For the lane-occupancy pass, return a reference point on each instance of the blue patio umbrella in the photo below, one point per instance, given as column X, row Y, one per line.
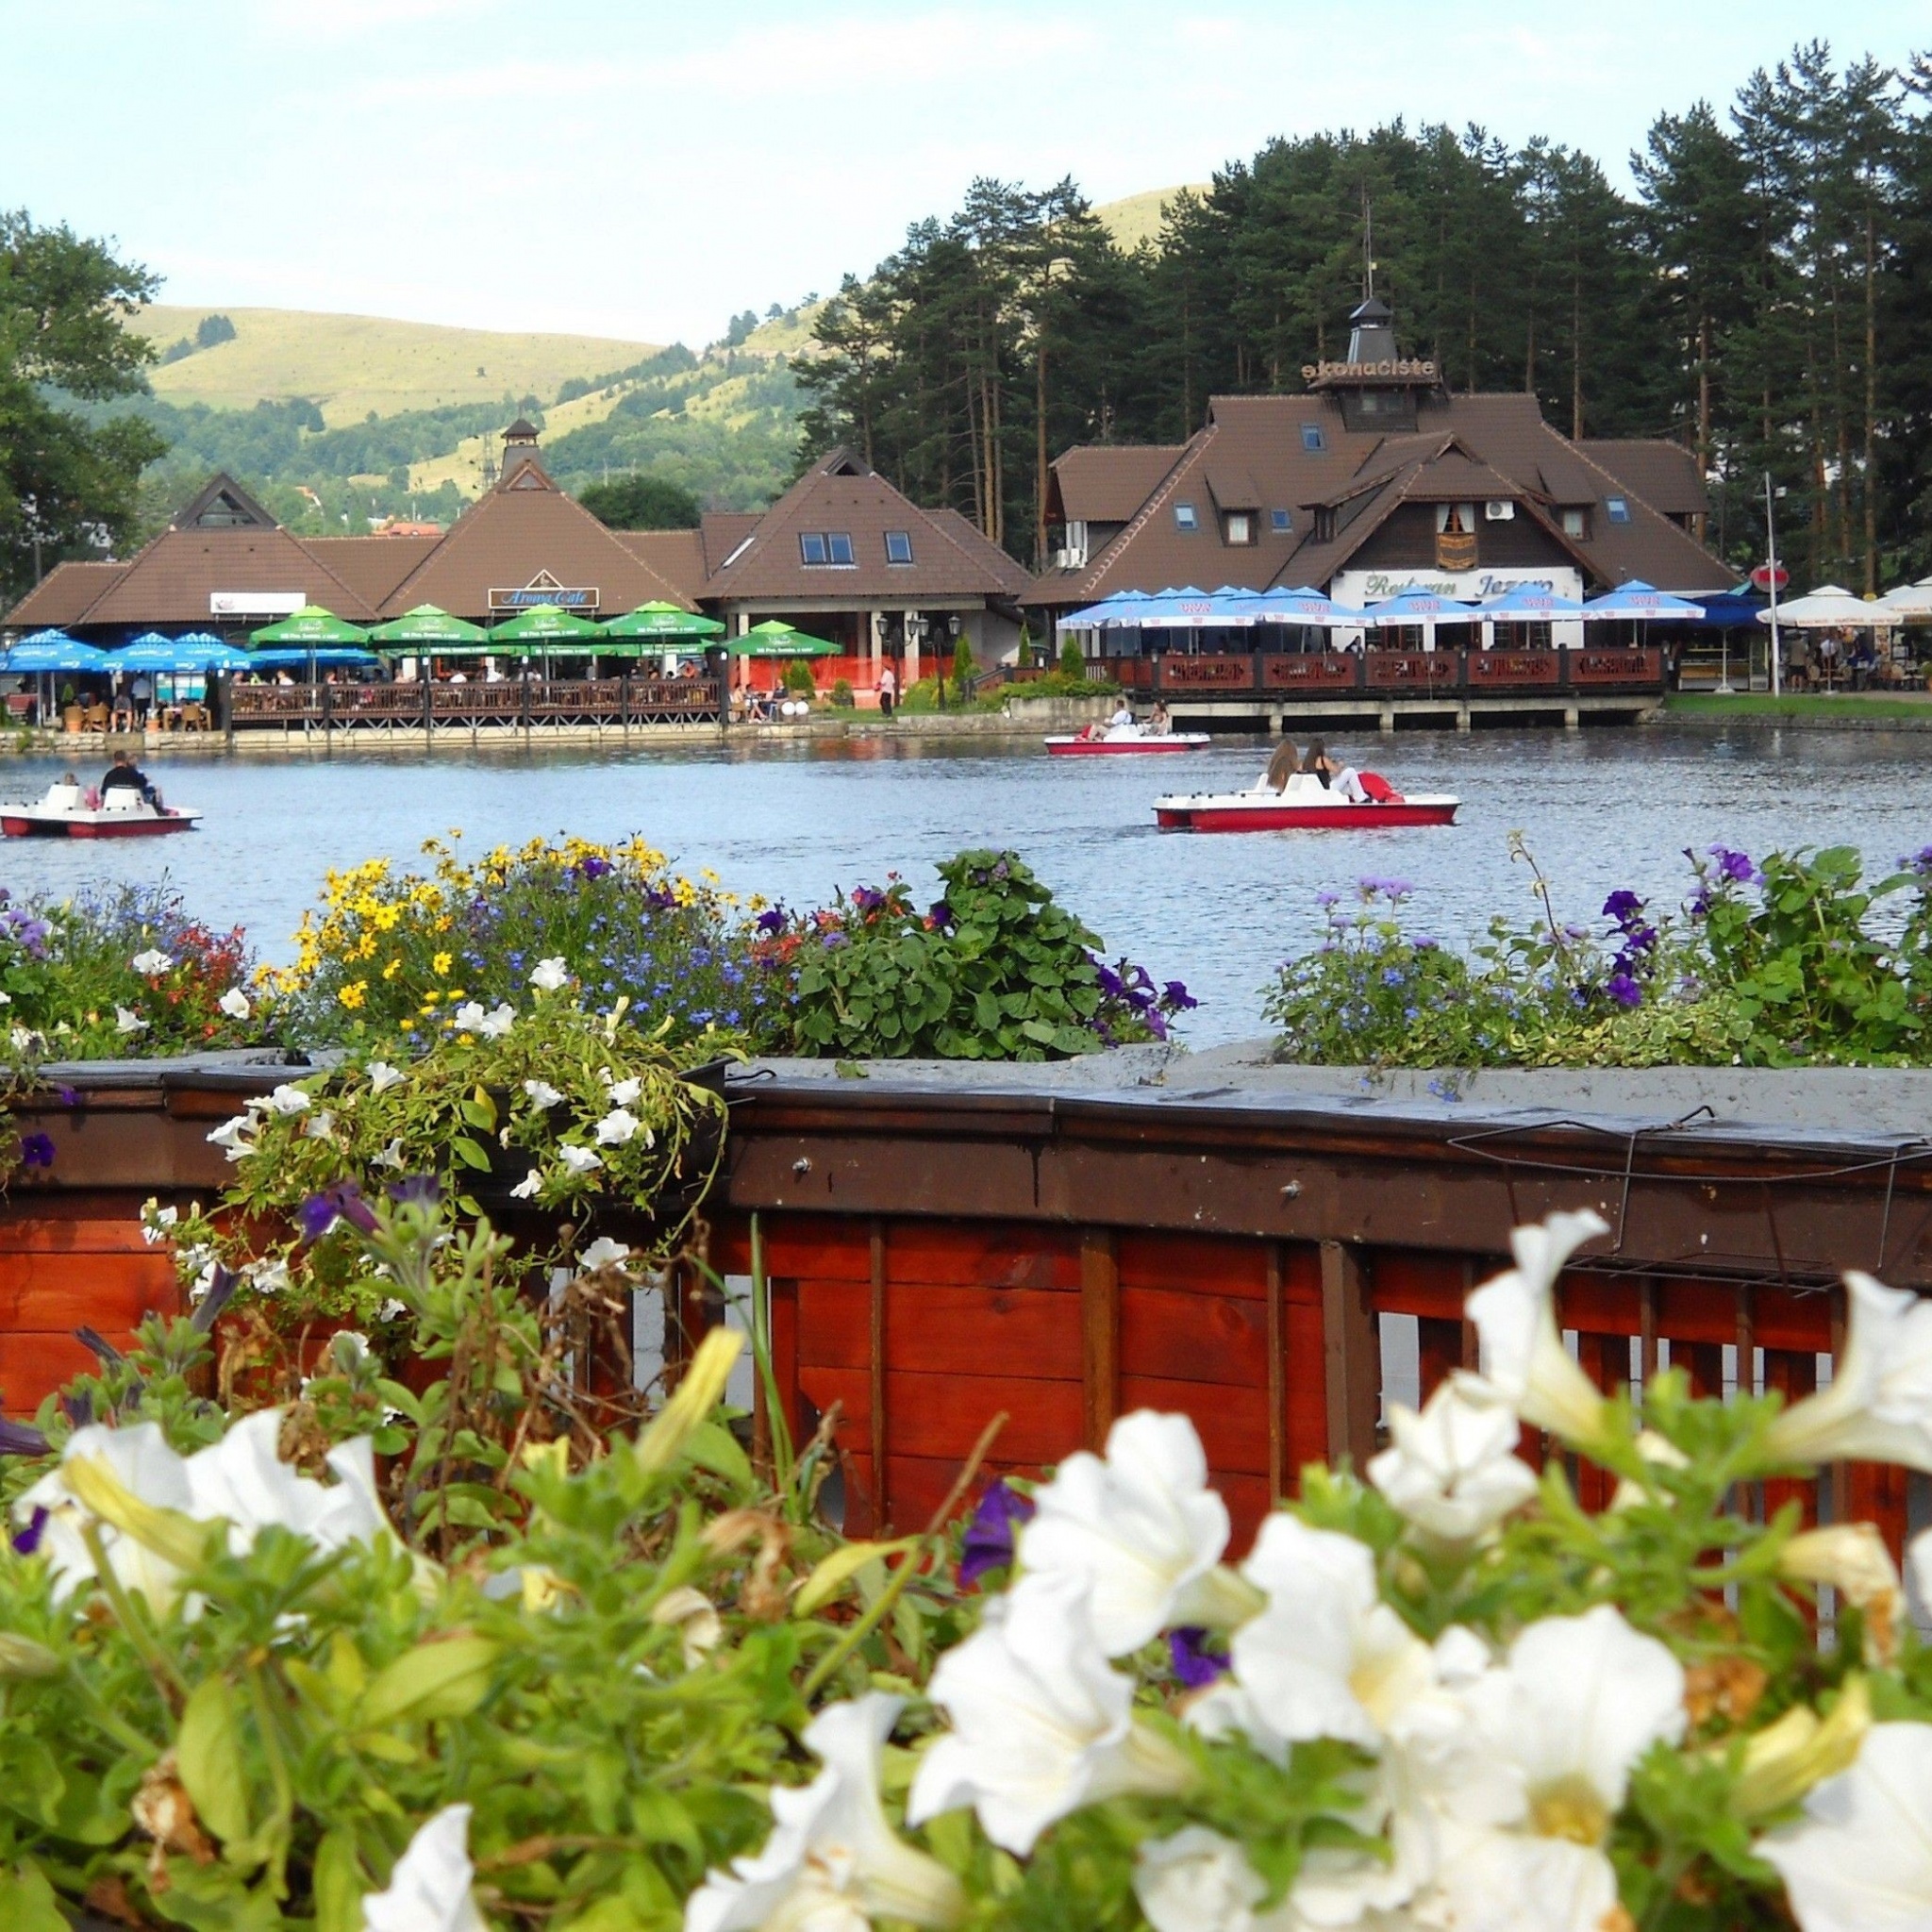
column 1531, row 604
column 285, row 660
column 1304, row 606
column 1641, row 602
column 1123, row 607
column 178, row 654
column 53, row 650
column 1419, row 607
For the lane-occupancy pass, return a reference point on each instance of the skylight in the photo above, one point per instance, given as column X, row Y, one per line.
column 1618, row 509
column 1312, row 439
column 1283, row 522
column 1184, row 518
column 820, row 548
column 839, row 546
column 898, row 546
column 812, row 546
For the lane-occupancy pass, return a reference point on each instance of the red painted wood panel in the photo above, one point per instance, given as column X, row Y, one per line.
column 1194, row 1337
column 1022, row 1332
column 1193, row 1263
column 1232, row 1422
column 1431, row 1286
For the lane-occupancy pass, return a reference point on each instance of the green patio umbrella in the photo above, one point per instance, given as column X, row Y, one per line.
column 432, row 630
column 311, row 624
column 667, row 621
column 544, row 623
column 775, row 639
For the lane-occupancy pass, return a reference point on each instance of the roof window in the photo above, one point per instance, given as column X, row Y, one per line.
column 1617, row 508
column 1282, row 523
column 898, row 546
column 1184, row 517
column 1312, row 439
column 826, row 547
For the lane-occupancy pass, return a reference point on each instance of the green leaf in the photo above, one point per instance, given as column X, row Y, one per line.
column 835, row 1572
column 712, row 1446
column 446, row 1679
column 338, row 1885
column 208, row 1751
column 469, row 1154
column 27, row 1903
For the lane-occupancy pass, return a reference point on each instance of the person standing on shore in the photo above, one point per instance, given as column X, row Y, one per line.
column 889, row 689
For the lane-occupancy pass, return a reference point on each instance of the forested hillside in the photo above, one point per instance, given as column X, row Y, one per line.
column 1766, row 298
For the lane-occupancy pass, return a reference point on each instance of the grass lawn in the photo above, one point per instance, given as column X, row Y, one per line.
column 1846, row 708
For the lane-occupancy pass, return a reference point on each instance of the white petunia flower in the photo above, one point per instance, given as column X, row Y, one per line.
column 1860, row 1860
column 526, row 1189
column 429, row 1888
column 151, row 962
column 267, row 1277
column 382, row 1076
column 1515, row 1314
column 469, row 1017
column 832, row 1861
column 390, row 1156
column 235, row 1004
column 578, row 1159
column 1880, row 1405
column 128, row 1021
column 155, row 1221
column 285, row 1100
column 1560, row 1725
column 392, row 1310
column 1452, row 1469
column 23, row 1039
column 623, row 1092
column 542, row 1092
column 1197, row 1881
column 1143, row 1526
column 497, row 1021
column 1327, row 1658
column 236, row 1137
column 1040, row 1723
column 6, row 999
column 1852, row 1557
column 603, row 1253
column 243, row 1480
column 617, row 1127
column 551, row 975
column 320, row 1126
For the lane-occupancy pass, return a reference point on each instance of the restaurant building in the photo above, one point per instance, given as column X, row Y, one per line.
column 842, row 554
column 1374, row 480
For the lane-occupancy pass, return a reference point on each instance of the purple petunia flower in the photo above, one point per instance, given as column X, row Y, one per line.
column 594, row 868
column 1623, row 906
column 1110, row 982
column 21, row 1439
column 423, row 1188
column 1195, row 1666
column 70, row 1097
column 36, row 1150
column 1175, row 997
column 1735, row 868
column 989, row 1536
column 28, row 1539
column 1623, row 990
column 772, row 919
column 343, row 1202
column 941, row 913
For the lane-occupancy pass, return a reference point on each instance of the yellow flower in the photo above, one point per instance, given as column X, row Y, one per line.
column 352, row 995
column 442, row 963
column 393, row 967
column 443, row 924
column 429, row 1000
column 407, row 1026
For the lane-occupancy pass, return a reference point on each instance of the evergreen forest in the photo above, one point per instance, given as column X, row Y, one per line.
column 1764, row 296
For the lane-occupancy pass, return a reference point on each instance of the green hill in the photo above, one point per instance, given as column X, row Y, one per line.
column 349, row 365
column 1136, row 218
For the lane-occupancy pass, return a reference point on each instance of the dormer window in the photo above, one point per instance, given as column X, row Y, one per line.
column 825, row 548
column 1240, row 526
column 1184, row 517
column 1576, row 522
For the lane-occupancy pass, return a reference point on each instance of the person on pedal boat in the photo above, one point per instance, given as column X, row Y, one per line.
column 1121, row 722
column 1332, row 774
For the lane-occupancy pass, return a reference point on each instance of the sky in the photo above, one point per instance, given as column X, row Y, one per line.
column 644, row 171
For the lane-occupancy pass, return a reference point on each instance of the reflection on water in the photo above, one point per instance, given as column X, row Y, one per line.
column 1602, row 809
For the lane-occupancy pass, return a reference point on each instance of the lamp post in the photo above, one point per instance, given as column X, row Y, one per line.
column 1771, row 573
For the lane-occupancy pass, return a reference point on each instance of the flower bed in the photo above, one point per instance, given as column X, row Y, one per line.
column 1795, row 962
column 542, row 1665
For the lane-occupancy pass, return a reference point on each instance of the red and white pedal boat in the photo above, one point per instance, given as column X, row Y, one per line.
column 1298, row 809
column 1128, row 738
column 121, row 813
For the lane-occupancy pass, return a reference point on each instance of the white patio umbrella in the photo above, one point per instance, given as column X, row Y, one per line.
column 1829, row 607
column 1908, row 600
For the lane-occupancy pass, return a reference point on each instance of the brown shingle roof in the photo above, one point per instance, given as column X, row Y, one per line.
column 62, row 595
column 838, row 494
column 1105, row 483
column 1466, row 445
column 1665, row 474
column 677, row 556
column 371, row 566
column 722, row 531
column 515, row 532
column 169, row 581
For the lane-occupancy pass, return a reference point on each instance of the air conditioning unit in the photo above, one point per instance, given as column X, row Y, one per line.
column 1499, row 510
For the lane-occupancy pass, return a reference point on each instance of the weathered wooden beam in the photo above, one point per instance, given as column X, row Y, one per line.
column 1351, row 1355
column 1100, row 1333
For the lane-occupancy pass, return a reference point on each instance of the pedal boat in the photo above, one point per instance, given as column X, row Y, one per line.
column 122, row 813
column 1128, row 739
column 1298, row 809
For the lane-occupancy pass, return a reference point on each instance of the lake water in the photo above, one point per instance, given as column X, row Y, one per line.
column 1601, row 808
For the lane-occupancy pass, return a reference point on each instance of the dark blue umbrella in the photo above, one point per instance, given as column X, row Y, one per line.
column 53, row 650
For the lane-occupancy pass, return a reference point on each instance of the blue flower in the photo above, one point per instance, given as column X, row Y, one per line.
column 1196, row 1659
column 36, row 1150
column 343, row 1202
column 1623, row 990
column 990, row 1535
column 1734, row 868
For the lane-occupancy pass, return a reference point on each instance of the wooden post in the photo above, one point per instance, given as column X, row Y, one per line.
column 1351, row 1356
column 1100, row 1332
column 875, row 1364
column 1277, row 1373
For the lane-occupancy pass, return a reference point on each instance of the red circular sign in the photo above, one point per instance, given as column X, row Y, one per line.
column 1764, row 578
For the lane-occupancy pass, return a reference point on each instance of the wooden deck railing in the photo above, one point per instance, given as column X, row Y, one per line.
column 516, row 701
column 1316, row 675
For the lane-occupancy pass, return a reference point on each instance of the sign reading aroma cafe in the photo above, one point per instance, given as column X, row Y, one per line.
column 544, row 589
